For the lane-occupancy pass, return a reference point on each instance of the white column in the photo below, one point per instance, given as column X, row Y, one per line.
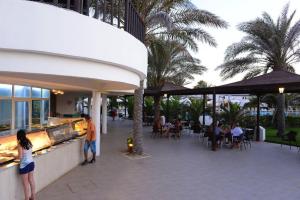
column 104, row 114
column 96, row 118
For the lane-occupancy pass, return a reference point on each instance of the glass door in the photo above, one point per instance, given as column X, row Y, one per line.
column 22, row 114
column 36, row 114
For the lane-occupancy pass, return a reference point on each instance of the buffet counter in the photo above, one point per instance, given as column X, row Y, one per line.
column 56, row 150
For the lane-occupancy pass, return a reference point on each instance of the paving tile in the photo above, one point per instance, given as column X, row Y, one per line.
column 182, row 169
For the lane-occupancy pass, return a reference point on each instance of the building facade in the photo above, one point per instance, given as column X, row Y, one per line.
column 55, row 54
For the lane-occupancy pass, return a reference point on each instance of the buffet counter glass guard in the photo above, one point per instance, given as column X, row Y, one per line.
column 63, row 130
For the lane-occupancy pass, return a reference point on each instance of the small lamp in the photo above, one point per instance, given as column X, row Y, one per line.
column 165, row 95
column 281, row 90
column 129, row 144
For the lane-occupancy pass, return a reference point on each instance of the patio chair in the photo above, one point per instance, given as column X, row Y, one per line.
column 247, row 137
column 290, row 137
column 203, row 134
column 186, row 128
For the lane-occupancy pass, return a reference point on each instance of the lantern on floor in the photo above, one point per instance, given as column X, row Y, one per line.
column 130, row 144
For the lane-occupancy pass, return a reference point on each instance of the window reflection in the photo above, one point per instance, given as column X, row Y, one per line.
column 45, row 111
column 36, row 114
column 5, row 90
column 22, row 115
column 22, row 91
column 36, row 92
column 45, row 93
column 37, row 98
column 5, row 115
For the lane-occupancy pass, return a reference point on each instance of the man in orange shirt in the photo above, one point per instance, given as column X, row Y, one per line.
column 90, row 140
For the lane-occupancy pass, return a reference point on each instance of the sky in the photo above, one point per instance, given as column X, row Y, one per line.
column 234, row 12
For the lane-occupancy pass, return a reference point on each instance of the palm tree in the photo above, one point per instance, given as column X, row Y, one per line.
column 268, row 45
column 169, row 60
column 180, row 19
column 232, row 113
column 138, row 120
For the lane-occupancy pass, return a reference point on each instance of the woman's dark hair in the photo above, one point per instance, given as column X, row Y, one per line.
column 23, row 140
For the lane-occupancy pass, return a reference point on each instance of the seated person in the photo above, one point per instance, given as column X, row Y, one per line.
column 156, row 127
column 219, row 132
column 178, row 128
column 166, row 129
column 236, row 132
column 227, row 134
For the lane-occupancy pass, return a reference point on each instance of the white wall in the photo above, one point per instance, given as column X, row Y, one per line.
column 43, row 39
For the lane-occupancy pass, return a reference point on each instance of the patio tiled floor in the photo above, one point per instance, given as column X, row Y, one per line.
column 182, row 169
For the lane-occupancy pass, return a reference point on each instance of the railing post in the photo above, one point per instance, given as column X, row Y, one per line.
column 257, row 117
column 111, row 12
column 68, row 4
column 126, row 15
column 118, row 12
column 87, row 7
column 96, row 15
column 104, row 11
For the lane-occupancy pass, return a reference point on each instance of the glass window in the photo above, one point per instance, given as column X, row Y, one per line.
column 5, row 90
column 5, row 115
column 45, row 93
column 22, row 91
column 36, row 114
column 45, row 111
column 36, row 92
column 22, row 115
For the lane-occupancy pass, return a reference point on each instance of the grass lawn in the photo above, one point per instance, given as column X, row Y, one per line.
column 271, row 136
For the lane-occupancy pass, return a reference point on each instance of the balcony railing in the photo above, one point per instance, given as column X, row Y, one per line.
column 119, row 13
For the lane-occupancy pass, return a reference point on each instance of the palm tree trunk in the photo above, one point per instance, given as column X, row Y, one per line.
column 157, row 107
column 280, row 114
column 138, row 120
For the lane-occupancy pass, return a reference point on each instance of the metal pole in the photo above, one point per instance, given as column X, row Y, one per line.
column 168, row 108
column 126, row 16
column 125, row 105
column 203, row 114
column 257, row 117
column 213, row 138
column 111, row 12
column 118, row 11
column 68, row 4
column 104, row 11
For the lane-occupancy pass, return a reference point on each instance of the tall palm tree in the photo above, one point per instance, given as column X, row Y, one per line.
column 268, row 45
column 232, row 113
column 180, row 19
column 169, row 60
column 138, row 120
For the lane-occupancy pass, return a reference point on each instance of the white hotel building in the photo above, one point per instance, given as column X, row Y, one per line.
column 53, row 45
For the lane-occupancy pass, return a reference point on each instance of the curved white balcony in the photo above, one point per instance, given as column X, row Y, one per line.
column 52, row 47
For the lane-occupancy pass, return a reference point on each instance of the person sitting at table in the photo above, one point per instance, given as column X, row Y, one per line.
column 219, row 133
column 166, row 130
column 236, row 132
column 156, row 127
column 178, row 128
column 227, row 134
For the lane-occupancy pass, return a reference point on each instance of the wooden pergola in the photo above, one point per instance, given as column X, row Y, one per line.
column 263, row 84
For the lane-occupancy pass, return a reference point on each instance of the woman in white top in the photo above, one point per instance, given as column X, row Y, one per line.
column 26, row 164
